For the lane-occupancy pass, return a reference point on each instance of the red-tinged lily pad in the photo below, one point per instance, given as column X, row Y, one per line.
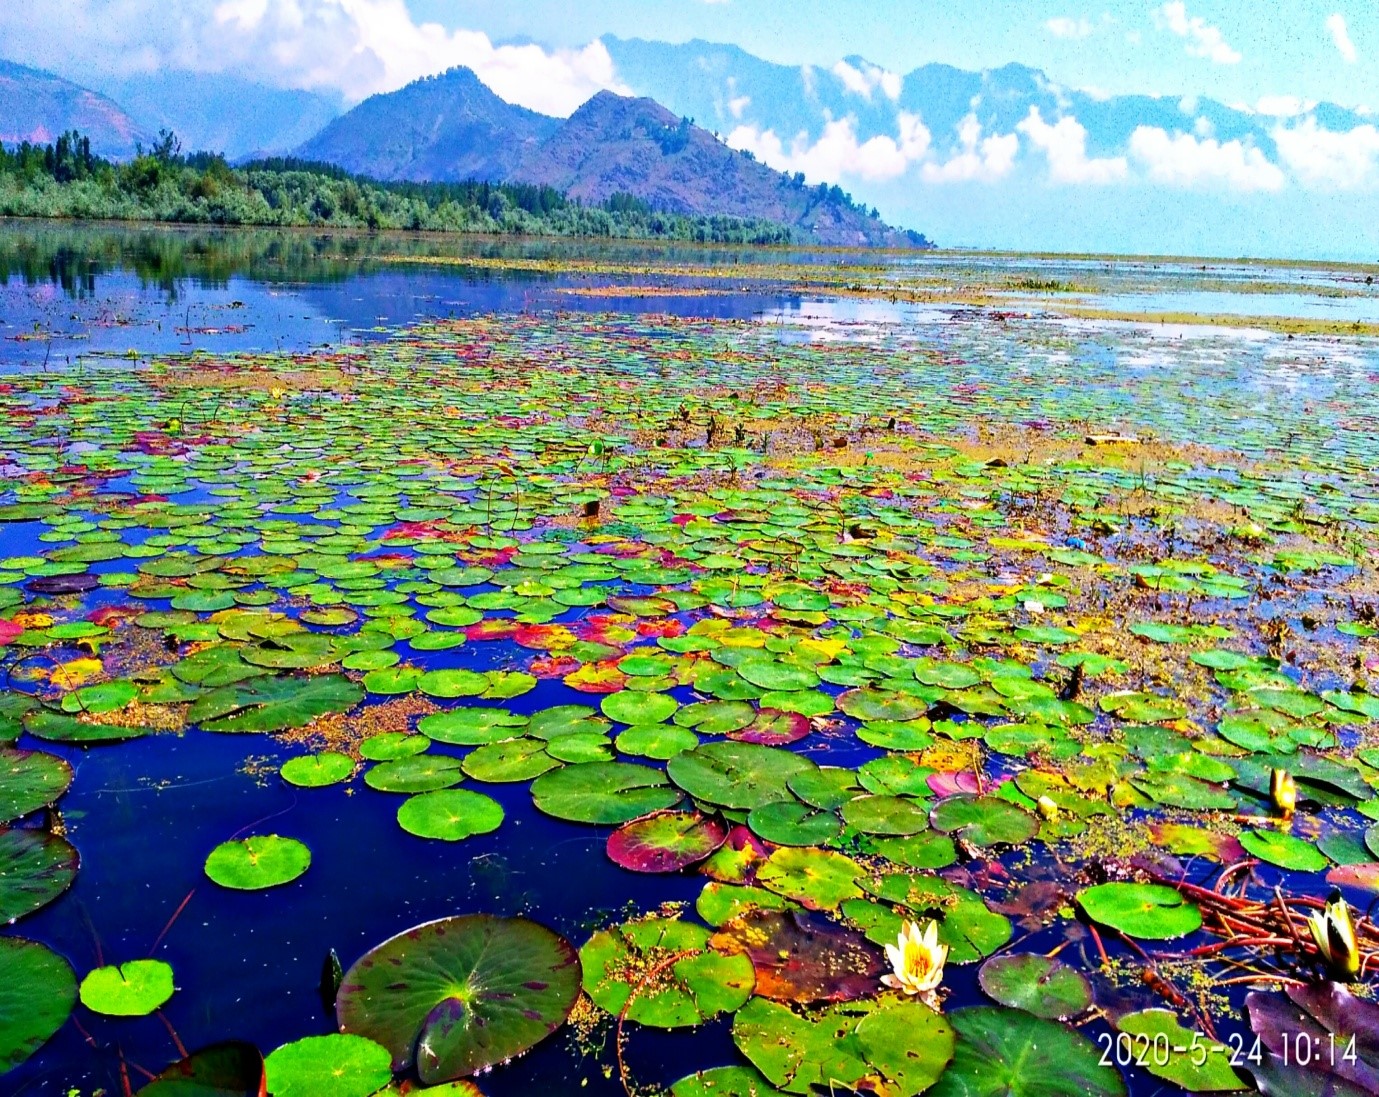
column 1363, row 876
column 665, row 842
column 773, row 728
column 232, row 1069
column 802, row 957
column 453, row 997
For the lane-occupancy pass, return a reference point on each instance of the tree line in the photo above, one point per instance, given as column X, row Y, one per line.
column 161, row 183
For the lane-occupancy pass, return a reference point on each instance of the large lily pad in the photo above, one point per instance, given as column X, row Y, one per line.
column 603, row 792
column 1036, row 984
column 31, row 780
column 1015, row 1054
column 736, row 775
column 274, row 704
column 37, row 992
column 456, row 996
column 35, row 868
column 450, row 814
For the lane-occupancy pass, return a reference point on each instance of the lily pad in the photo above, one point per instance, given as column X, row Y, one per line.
column 37, row 992
column 231, row 1069
column 263, row 861
column 1015, row 1054
column 35, row 868
column 29, row 780
column 665, row 842
column 736, row 775
column 132, row 989
column 1152, row 912
column 274, row 704
column 318, row 770
column 450, row 815
column 453, row 997
column 603, row 792
column 1036, row 984
column 338, row 1065
column 695, row 982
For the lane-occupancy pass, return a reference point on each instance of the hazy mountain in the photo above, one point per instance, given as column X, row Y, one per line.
column 217, row 112
column 443, row 128
column 38, row 106
column 617, row 145
column 453, row 127
column 725, row 89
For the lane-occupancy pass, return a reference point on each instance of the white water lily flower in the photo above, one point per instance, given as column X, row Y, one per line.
column 1034, row 608
column 917, row 959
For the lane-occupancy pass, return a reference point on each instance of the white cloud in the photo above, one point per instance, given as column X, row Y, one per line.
column 867, row 79
column 978, row 158
column 738, row 105
column 837, row 152
column 1283, row 106
column 1064, row 26
column 1321, row 157
column 1181, row 159
column 359, row 47
column 1340, row 35
column 1064, row 144
column 1203, row 39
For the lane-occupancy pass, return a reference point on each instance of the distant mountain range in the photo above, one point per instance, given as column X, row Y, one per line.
column 452, row 127
column 729, row 90
column 38, row 106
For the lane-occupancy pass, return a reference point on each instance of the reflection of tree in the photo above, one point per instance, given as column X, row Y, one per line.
column 74, row 256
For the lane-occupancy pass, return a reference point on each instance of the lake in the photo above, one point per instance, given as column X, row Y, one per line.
column 889, row 587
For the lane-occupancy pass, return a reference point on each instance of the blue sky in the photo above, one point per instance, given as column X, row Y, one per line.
column 1241, row 154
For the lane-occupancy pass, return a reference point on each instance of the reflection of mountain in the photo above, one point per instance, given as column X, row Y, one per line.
column 453, row 127
column 37, row 106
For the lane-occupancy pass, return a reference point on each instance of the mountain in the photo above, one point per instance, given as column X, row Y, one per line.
column 619, row 145
column 217, row 112
column 442, row 128
column 453, row 127
column 38, row 106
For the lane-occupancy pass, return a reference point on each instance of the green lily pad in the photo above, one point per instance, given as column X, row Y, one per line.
column 789, row 823
column 698, row 983
column 450, row 814
column 37, row 992
column 453, row 997
column 1284, row 850
column 631, row 706
column 132, row 989
column 35, row 868
column 417, row 773
column 317, row 770
column 603, row 792
column 30, row 780
column 818, row 879
column 232, row 1069
column 984, row 820
column 736, row 775
column 274, row 704
column 262, row 861
column 338, row 1065
column 1187, row 1059
column 1036, row 984
column 1151, row 912
column 1015, row 1054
